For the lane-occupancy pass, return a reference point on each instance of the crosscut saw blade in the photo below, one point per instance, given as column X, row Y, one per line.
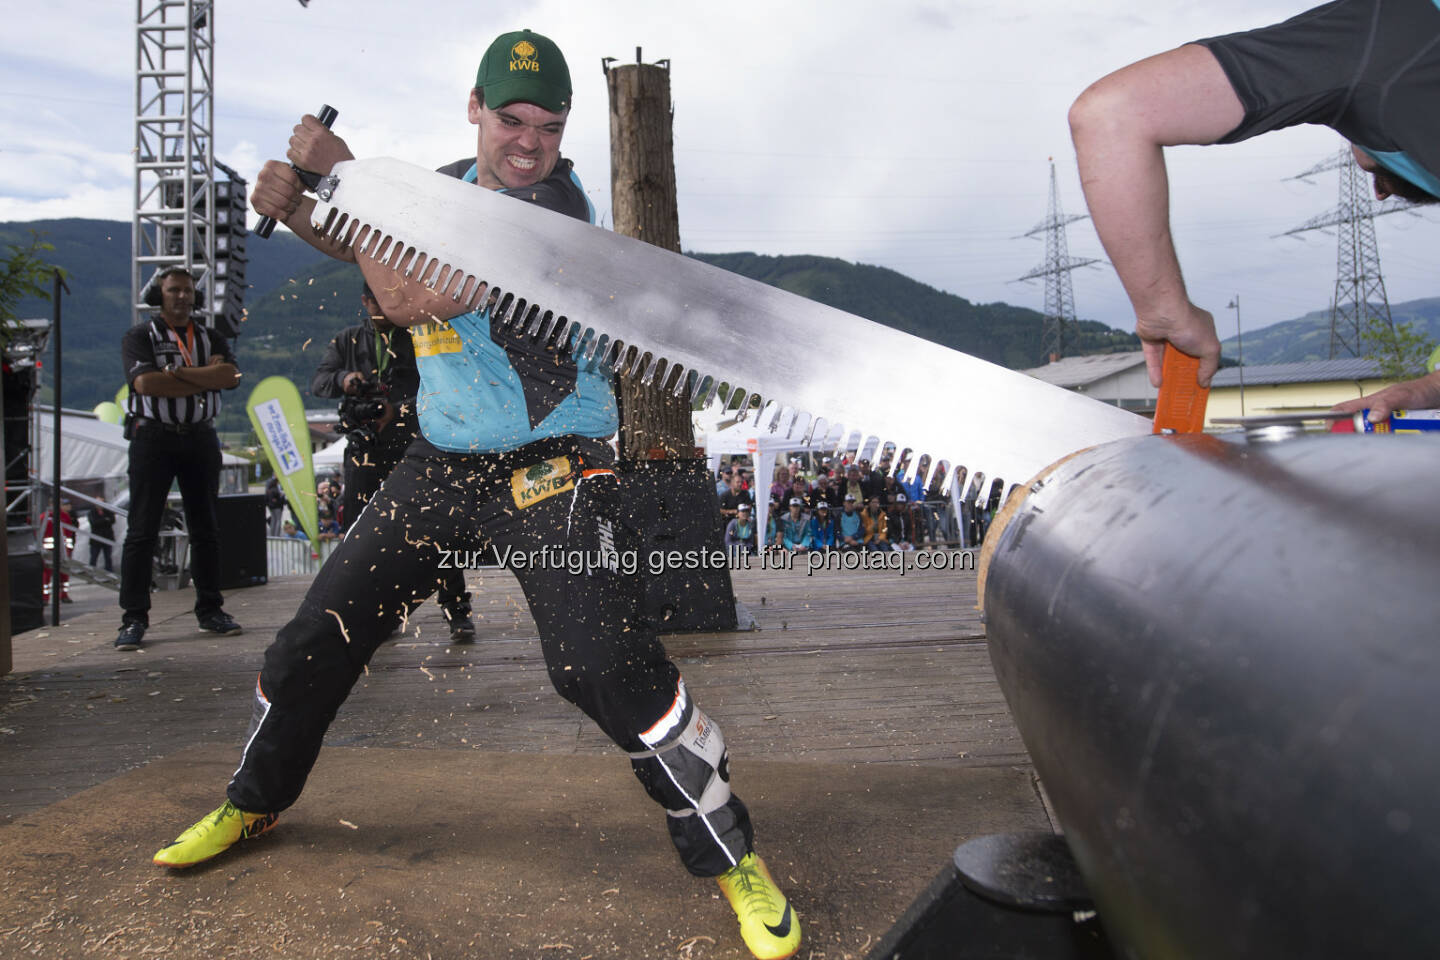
column 817, row 371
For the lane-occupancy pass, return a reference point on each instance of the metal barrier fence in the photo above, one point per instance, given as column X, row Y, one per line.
column 288, row 557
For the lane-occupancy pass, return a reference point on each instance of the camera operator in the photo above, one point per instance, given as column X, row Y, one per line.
column 371, row 368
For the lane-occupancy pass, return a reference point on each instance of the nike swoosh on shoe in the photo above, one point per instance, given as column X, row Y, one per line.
column 782, row 929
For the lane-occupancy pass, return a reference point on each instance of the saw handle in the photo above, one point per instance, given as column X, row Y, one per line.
column 1180, row 408
column 325, row 115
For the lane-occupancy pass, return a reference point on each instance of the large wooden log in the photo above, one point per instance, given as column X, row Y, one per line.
column 1224, row 659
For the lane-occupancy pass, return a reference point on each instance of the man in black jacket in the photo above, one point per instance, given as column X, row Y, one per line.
column 371, row 367
column 513, row 459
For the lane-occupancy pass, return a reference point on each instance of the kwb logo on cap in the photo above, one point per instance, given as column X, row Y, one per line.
column 522, row 57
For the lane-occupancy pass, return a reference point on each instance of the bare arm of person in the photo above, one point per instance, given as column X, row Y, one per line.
column 1120, row 126
column 218, row 374
column 279, row 193
column 1422, row 393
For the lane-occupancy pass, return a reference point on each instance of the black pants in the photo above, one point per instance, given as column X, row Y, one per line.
column 366, row 467
column 434, row 509
column 98, row 548
column 159, row 457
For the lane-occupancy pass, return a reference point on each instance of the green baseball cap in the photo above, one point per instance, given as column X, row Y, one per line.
column 524, row 66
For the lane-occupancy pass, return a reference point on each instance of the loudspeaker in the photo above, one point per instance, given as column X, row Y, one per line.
column 19, row 387
column 242, row 523
column 679, row 517
column 27, row 604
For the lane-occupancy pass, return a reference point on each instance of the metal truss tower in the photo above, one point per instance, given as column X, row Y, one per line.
column 1059, row 294
column 174, row 218
column 1359, row 287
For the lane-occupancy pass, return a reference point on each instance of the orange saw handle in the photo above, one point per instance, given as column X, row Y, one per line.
column 1180, row 408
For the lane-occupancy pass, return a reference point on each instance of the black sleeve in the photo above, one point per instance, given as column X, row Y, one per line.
column 220, row 347
column 1308, row 69
column 137, row 353
column 330, row 375
column 557, row 192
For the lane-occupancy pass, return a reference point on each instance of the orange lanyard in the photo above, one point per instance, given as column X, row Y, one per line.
column 187, row 346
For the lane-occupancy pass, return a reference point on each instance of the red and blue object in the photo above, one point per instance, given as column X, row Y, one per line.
column 1401, row 421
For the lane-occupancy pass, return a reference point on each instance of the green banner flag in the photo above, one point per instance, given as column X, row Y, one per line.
column 279, row 420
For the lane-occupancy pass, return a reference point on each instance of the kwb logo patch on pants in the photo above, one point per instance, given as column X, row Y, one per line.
column 541, row 480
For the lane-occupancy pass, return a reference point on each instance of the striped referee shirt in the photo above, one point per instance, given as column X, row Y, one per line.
column 150, row 348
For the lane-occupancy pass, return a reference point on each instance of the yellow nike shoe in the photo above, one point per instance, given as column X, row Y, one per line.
column 767, row 923
column 213, row 835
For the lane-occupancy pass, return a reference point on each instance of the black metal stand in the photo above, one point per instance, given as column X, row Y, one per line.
column 1005, row 897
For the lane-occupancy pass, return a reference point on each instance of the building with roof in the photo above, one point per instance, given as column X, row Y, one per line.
column 1311, row 386
column 1115, row 378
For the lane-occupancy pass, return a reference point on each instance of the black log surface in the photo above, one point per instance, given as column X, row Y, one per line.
column 1224, row 659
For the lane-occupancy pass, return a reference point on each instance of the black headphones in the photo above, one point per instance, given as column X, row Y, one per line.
column 152, row 290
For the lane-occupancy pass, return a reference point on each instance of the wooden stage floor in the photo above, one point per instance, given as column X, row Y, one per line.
column 462, row 809
column 865, row 666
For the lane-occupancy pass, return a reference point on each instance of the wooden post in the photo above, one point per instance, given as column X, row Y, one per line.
column 657, row 441
column 653, row 423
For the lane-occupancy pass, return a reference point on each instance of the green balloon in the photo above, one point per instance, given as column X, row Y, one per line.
column 108, row 412
column 1434, row 360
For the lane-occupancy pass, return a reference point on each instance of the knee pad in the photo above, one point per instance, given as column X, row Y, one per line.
column 691, row 751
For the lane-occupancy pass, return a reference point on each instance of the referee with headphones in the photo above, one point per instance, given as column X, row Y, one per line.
column 176, row 369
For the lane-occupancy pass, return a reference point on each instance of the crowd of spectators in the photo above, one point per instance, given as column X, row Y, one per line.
column 844, row 506
column 328, row 508
column 837, row 506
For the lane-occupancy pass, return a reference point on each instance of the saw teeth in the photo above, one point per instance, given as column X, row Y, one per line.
column 527, row 320
column 345, row 230
column 560, row 336
column 739, row 399
column 706, row 387
column 617, row 355
column 589, row 343
column 515, row 321
column 810, row 433
column 504, row 301
column 635, row 362
column 673, row 381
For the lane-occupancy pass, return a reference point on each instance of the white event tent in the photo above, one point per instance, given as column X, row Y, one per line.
column 718, row 432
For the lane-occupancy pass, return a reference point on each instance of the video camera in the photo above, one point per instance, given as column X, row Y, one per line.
column 361, row 413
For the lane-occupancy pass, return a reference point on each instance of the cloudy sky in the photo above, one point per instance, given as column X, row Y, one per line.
column 916, row 138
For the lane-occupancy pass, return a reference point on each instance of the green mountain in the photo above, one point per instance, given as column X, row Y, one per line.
column 998, row 332
column 96, row 256
column 299, row 299
column 1308, row 337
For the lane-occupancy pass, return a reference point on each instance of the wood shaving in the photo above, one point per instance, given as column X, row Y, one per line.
column 343, row 632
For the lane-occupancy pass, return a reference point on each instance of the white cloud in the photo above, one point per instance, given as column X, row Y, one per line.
column 83, row 200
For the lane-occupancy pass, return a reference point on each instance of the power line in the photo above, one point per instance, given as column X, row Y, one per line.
column 1059, row 294
column 1359, row 286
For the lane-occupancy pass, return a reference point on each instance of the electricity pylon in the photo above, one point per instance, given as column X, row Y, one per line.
column 1059, row 295
column 1359, row 286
